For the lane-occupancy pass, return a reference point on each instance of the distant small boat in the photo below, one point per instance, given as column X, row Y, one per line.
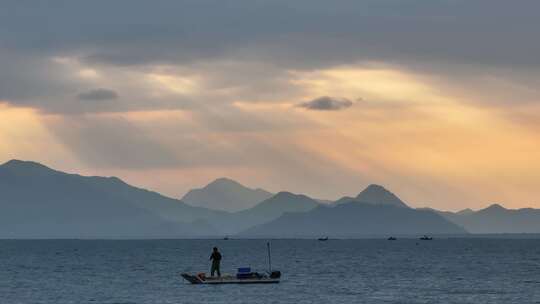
column 323, row 239
column 226, row 238
column 392, row 238
column 426, row 238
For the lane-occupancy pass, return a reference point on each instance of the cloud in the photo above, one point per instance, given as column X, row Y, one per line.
column 326, row 103
column 290, row 34
column 32, row 80
column 272, row 37
column 98, row 94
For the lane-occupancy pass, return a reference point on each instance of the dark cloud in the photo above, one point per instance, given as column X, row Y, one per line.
column 285, row 35
column 326, row 103
column 26, row 78
column 98, row 94
column 301, row 33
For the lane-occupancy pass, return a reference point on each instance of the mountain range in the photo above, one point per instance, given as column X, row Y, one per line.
column 356, row 219
column 39, row 202
column 375, row 211
column 496, row 219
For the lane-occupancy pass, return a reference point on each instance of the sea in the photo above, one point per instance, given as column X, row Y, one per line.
column 444, row 270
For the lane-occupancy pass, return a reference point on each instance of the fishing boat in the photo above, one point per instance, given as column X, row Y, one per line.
column 323, row 239
column 243, row 276
column 392, row 238
column 426, row 238
column 248, row 278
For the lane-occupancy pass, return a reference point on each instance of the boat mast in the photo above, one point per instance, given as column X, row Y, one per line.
column 269, row 258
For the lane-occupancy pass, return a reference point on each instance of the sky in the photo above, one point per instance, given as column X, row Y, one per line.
column 439, row 101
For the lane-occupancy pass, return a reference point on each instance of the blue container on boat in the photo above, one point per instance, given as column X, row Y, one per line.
column 243, row 270
column 248, row 275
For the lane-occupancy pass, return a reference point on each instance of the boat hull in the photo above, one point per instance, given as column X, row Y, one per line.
column 193, row 279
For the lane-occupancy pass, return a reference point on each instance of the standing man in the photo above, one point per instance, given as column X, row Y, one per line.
column 216, row 260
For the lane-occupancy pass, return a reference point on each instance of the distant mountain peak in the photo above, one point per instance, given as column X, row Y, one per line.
column 375, row 187
column 17, row 163
column 224, row 181
column 287, row 194
column 288, row 198
column 27, row 167
column 285, row 201
column 344, row 200
column 495, row 207
column 377, row 194
column 465, row 211
column 225, row 194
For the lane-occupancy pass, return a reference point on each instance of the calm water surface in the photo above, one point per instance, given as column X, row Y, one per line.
column 336, row 271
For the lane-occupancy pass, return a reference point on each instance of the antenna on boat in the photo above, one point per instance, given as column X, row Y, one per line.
column 269, row 258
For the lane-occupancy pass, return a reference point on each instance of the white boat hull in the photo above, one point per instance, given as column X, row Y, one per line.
column 194, row 279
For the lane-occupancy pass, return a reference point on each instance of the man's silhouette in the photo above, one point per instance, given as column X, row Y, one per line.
column 216, row 260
